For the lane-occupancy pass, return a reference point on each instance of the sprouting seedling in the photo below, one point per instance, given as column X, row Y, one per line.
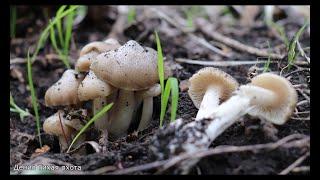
column 15, row 108
column 171, row 84
column 13, row 18
column 267, row 64
column 292, row 46
column 131, row 15
column 45, row 33
column 92, row 120
column 34, row 99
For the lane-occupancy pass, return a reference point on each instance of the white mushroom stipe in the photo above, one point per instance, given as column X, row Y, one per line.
column 147, row 111
column 210, row 101
column 121, row 114
column 98, row 104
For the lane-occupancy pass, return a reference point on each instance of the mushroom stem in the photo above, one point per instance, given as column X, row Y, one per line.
column 63, row 143
column 121, row 114
column 147, row 111
column 98, row 104
column 209, row 102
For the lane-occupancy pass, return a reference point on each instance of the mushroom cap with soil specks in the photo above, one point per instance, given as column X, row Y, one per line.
column 130, row 67
column 52, row 125
column 92, row 87
column 276, row 108
column 65, row 90
column 89, row 52
column 209, row 76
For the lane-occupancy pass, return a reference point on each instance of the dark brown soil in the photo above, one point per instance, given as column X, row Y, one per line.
column 133, row 150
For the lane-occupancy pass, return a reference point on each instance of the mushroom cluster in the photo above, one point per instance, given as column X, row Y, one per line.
column 107, row 72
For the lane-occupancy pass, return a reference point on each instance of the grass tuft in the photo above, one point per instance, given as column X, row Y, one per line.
column 33, row 97
column 292, row 46
column 171, row 84
column 92, row 120
column 45, row 33
column 15, row 108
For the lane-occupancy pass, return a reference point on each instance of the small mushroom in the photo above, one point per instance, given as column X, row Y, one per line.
column 208, row 87
column 58, row 125
column 65, row 90
column 92, row 88
column 89, row 52
column 269, row 97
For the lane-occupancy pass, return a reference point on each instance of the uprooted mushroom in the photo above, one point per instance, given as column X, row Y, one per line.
column 269, row 97
column 133, row 70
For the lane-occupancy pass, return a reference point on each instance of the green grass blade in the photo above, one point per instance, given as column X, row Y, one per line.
column 59, row 25
column 292, row 46
column 45, row 33
column 54, row 44
column 164, row 102
column 160, row 62
column 33, row 97
column 68, row 32
column 131, row 15
column 13, row 18
column 92, row 120
column 174, row 97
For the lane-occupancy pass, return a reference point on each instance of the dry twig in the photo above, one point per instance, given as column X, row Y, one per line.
column 219, row 63
column 205, row 27
column 294, row 164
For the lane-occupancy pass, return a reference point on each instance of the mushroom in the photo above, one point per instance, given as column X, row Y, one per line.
column 130, row 68
column 92, row 50
column 147, row 97
column 269, row 97
column 92, row 88
column 208, row 87
column 58, row 125
column 65, row 90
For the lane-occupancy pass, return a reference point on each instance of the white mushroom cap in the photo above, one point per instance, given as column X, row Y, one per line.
column 130, row 67
column 65, row 90
column 211, row 77
column 274, row 97
column 92, row 87
column 89, row 52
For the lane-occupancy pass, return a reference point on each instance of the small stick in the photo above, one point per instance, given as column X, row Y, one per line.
column 294, row 164
column 201, row 41
column 219, row 63
column 209, row 31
